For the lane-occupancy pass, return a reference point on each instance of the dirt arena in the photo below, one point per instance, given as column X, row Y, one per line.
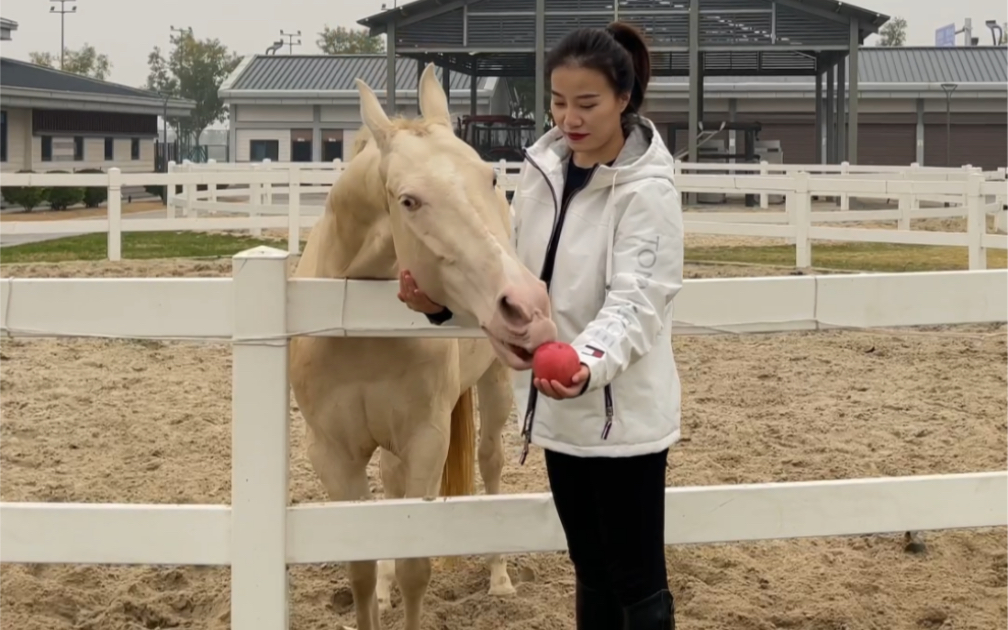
column 128, row 421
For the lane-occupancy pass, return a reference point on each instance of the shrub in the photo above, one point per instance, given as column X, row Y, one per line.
column 62, row 197
column 94, row 196
column 28, row 197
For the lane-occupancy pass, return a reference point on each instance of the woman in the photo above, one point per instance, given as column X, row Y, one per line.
column 613, row 272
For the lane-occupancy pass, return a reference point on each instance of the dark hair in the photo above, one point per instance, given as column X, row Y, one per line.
column 618, row 51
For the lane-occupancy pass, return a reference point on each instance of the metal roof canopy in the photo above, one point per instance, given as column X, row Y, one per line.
column 508, row 38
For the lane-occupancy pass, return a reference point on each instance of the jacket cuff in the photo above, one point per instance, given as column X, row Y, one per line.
column 596, row 369
column 440, row 317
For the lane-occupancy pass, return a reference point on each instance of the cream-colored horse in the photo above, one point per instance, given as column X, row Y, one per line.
column 416, row 197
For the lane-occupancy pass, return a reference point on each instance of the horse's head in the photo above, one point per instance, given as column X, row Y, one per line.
column 451, row 224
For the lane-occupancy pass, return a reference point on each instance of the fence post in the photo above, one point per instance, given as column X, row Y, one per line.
column 801, row 208
column 267, row 187
column 259, row 440
column 255, row 198
column 764, row 198
column 844, row 197
column 190, row 190
column 905, row 206
column 212, row 186
column 170, row 191
column 976, row 222
column 114, row 208
column 294, row 210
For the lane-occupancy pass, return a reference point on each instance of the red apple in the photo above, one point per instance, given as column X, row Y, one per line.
column 556, row 361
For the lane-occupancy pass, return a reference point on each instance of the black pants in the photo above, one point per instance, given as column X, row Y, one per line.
column 613, row 513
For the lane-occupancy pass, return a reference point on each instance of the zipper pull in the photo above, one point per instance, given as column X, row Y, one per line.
column 608, row 413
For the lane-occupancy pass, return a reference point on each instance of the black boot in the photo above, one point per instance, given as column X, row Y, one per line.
column 654, row 613
column 596, row 610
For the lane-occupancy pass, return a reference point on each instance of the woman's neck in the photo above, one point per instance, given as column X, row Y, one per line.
column 602, row 155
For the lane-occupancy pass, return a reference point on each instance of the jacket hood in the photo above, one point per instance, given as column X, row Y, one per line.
column 644, row 155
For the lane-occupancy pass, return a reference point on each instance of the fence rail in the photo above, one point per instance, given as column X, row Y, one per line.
column 259, row 308
column 251, row 189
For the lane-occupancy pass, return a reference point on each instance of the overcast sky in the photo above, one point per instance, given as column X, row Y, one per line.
column 127, row 30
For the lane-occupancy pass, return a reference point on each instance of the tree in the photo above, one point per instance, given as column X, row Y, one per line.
column 84, row 61
column 345, row 41
column 893, row 33
column 194, row 70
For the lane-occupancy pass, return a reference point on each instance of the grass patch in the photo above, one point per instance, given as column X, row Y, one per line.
column 879, row 257
column 136, row 246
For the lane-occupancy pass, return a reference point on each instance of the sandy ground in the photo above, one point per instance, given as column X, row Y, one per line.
column 90, row 420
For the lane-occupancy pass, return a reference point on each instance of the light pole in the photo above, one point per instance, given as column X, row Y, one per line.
column 290, row 40
column 62, row 13
column 948, row 88
column 996, row 31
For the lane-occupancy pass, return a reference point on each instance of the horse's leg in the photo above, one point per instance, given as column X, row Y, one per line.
column 395, row 488
column 345, row 479
column 495, row 402
column 422, row 466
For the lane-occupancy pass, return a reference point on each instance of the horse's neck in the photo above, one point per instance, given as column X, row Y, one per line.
column 355, row 240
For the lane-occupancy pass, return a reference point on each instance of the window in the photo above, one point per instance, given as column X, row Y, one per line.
column 134, row 148
column 109, row 148
column 3, row 136
column 47, row 148
column 332, row 144
column 78, row 149
column 260, row 150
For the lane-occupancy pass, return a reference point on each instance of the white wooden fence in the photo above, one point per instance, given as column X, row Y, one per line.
column 975, row 193
column 259, row 308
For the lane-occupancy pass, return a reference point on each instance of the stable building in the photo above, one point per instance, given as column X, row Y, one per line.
column 910, row 99
column 306, row 108
column 59, row 121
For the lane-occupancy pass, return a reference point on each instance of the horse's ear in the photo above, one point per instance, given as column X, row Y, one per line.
column 373, row 115
column 433, row 101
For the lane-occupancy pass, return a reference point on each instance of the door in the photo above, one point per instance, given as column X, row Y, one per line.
column 301, row 145
column 332, row 144
column 887, row 144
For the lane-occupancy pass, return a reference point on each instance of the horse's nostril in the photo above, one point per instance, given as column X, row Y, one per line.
column 508, row 310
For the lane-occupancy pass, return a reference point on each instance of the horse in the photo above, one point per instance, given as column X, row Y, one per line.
column 415, row 196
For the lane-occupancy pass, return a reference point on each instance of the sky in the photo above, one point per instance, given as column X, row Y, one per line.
column 137, row 26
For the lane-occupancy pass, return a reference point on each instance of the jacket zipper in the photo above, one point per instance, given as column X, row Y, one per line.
column 546, row 275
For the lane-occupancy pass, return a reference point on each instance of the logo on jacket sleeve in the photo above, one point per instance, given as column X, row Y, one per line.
column 592, row 351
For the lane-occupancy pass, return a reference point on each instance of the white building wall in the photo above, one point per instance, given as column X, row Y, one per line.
column 245, row 136
column 24, row 151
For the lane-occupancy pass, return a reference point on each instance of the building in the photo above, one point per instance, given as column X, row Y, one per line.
column 904, row 110
column 306, row 108
column 59, row 121
column 6, row 28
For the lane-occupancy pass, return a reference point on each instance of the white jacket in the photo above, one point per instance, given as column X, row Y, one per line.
column 618, row 265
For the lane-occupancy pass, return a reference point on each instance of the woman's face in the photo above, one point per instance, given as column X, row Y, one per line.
column 585, row 107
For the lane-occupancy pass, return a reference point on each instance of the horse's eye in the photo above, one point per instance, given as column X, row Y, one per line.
column 495, row 180
column 409, row 203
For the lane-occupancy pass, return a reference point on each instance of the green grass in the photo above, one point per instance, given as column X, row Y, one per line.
column 135, row 246
column 880, row 257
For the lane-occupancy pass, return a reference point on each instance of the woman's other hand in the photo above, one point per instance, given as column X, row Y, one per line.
column 413, row 297
column 555, row 389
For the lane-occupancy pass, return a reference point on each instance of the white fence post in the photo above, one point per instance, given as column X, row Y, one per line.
column 294, row 210
column 190, row 190
column 844, row 197
column 976, row 222
column 802, row 219
column 114, row 211
column 212, row 186
column 905, row 206
column 170, row 191
column 764, row 198
column 255, row 197
column 259, row 441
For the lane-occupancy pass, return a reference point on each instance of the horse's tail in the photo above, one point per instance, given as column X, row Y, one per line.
column 458, row 478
